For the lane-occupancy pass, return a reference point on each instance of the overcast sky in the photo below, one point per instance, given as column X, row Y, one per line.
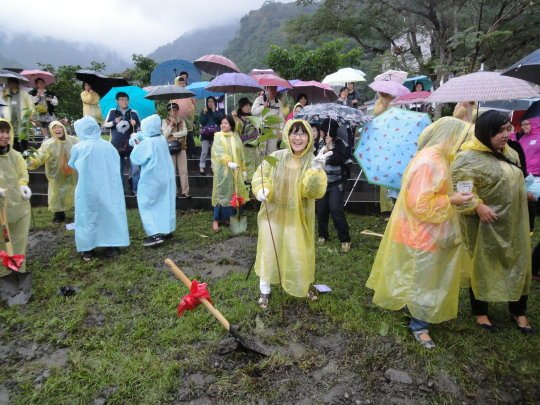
column 127, row 26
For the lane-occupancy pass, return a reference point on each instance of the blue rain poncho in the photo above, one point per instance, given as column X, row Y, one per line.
column 156, row 194
column 100, row 207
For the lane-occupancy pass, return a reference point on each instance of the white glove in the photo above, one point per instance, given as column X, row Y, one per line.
column 26, row 192
column 3, row 192
column 134, row 139
column 319, row 161
column 262, row 194
column 233, row 165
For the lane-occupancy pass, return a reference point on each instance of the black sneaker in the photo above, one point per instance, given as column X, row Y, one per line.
column 112, row 252
column 153, row 240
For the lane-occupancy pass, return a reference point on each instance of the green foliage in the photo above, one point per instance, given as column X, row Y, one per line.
column 268, row 126
column 312, row 64
column 140, row 74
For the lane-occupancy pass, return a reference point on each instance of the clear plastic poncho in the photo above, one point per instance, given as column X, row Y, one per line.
column 501, row 251
column 293, row 187
column 420, row 257
column 54, row 154
column 156, row 193
column 227, row 147
column 100, row 206
column 13, row 174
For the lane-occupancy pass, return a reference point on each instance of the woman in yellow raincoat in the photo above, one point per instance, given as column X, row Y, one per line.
column 229, row 167
column 90, row 100
column 419, row 260
column 15, row 287
column 286, row 219
column 54, row 153
column 495, row 224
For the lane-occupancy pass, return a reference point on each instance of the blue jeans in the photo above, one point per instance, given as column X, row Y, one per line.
column 134, row 172
column 416, row 325
column 223, row 213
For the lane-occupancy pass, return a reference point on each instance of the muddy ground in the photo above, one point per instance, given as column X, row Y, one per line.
column 308, row 368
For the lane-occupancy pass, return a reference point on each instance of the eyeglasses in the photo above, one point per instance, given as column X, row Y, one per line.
column 298, row 135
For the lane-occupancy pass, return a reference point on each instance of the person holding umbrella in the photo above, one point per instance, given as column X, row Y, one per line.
column 286, row 220
column 15, row 286
column 420, row 258
column 229, row 167
column 19, row 108
column 45, row 102
column 90, row 100
column 209, row 119
column 187, row 113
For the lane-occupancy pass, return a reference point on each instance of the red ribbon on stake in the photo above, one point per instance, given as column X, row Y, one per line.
column 190, row 301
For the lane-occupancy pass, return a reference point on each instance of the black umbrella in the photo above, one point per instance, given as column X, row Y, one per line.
column 532, row 112
column 527, row 68
column 4, row 73
column 100, row 83
column 168, row 92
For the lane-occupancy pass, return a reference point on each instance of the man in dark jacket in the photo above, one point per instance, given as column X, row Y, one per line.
column 123, row 121
column 332, row 202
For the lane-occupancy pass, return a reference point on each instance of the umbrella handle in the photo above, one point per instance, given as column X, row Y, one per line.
column 179, row 274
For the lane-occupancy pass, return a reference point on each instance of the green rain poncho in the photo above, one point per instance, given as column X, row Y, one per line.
column 13, row 174
column 227, row 147
column 293, row 187
column 420, row 257
column 500, row 251
column 54, row 154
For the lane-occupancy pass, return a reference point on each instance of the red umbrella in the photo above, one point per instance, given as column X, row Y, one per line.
column 412, row 98
column 316, row 92
column 32, row 75
column 216, row 65
column 269, row 79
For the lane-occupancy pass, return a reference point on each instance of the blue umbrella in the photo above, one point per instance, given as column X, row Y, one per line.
column 137, row 102
column 387, row 145
column 410, row 83
column 200, row 92
column 166, row 72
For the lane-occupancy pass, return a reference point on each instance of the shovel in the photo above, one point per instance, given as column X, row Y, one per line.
column 243, row 341
column 238, row 224
column 8, row 259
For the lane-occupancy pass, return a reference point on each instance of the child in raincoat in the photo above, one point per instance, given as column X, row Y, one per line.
column 419, row 260
column 100, row 207
column 156, row 195
column 286, row 219
column 229, row 167
column 495, row 224
column 54, row 153
column 15, row 287
column 90, row 100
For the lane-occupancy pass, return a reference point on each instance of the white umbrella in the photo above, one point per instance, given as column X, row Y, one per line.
column 392, row 75
column 482, row 86
column 345, row 75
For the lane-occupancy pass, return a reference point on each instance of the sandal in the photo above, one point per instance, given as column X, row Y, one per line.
column 427, row 344
column 311, row 296
column 526, row 330
column 263, row 300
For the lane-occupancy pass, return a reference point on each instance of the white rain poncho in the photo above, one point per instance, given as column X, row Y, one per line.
column 100, row 207
column 156, row 192
column 293, row 187
column 54, row 153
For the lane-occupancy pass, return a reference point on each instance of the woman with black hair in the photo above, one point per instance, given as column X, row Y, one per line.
column 248, row 134
column 495, row 224
column 209, row 120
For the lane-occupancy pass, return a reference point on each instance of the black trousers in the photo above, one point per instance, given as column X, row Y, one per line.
column 516, row 308
column 332, row 205
column 536, row 260
column 191, row 150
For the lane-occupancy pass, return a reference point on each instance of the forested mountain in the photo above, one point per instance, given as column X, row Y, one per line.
column 195, row 44
column 261, row 28
column 25, row 50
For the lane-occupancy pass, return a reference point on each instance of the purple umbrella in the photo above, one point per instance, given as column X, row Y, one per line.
column 234, row 83
column 389, row 87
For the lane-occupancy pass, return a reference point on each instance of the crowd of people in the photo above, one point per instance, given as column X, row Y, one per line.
column 460, row 220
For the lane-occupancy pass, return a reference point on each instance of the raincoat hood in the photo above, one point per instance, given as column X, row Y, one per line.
column 150, row 126
column 475, row 144
column 87, row 128
column 446, row 133
column 307, row 130
column 11, row 134
column 52, row 124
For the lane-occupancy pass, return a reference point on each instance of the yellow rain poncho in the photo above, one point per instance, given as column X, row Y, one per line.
column 13, row 174
column 54, row 154
column 293, row 187
column 420, row 258
column 227, row 147
column 500, row 251
column 90, row 100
